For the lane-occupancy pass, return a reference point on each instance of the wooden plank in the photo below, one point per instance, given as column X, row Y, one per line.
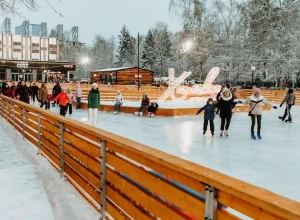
column 53, row 138
column 125, row 205
column 149, row 202
column 88, row 160
column 225, row 215
column 82, row 132
column 50, row 154
column 31, row 116
column 50, row 127
column 80, row 143
column 244, row 207
column 89, row 176
column 114, row 211
column 169, row 192
column 49, row 118
column 50, row 145
column 32, row 140
column 82, row 183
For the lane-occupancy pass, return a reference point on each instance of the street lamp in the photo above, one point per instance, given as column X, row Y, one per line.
column 187, row 46
column 252, row 71
column 85, row 60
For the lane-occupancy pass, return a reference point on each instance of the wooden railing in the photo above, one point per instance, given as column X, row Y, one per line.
column 127, row 180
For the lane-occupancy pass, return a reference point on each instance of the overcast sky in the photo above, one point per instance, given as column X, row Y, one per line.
column 105, row 17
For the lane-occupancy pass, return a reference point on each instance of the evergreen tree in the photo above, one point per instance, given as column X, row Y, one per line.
column 125, row 51
column 148, row 53
column 163, row 48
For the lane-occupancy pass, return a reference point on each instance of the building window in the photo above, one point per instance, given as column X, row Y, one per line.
column 35, row 51
column 17, row 50
column 35, row 45
column 17, row 43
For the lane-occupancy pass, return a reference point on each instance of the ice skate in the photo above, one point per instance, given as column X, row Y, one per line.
column 141, row 113
column 259, row 137
column 280, row 118
column 212, row 133
column 152, row 115
column 204, row 131
column 226, row 133
column 288, row 120
column 136, row 113
column 221, row 133
column 115, row 112
column 149, row 114
column 253, row 137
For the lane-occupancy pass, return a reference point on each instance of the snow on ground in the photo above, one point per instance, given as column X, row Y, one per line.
column 30, row 188
column 272, row 163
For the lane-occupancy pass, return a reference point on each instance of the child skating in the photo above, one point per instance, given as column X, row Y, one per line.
column 209, row 115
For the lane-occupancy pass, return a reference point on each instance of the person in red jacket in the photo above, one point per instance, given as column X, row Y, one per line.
column 64, row 99
column 6, row 91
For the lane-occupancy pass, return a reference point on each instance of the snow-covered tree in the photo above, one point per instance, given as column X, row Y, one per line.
column 126, row 49
column 148, row 53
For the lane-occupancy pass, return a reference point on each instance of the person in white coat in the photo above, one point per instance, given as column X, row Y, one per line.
column 119, row 102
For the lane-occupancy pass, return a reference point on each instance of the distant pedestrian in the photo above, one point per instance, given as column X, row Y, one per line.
column 35, row 91
column 78, row 95
column 118, row 102
column 43, row 96
column 23, row 92
column 63, row 100
column 69, row 92
column 93, row 104
column 255, row 103
column 55, row 91
column 289, row 99
column 209, row 116
column 6, row 91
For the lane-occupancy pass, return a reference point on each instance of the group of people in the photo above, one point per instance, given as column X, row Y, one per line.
column 146, row 104
column 224, row 104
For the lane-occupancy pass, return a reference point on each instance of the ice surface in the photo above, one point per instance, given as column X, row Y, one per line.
column 272, row 163
column 30, row 188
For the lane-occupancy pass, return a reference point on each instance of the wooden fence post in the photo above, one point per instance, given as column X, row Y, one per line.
column 211, row 203
column 103, row 179
column 61, row 125
column 39, row 133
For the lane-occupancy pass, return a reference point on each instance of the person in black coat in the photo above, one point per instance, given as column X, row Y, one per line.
column 225, row 108
column 35, row 92
column 56, row 90
column 209, row 115
column 152, row 109
column 23, row 92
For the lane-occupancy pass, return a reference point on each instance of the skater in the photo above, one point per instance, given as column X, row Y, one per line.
column 152, row 109
column 93, row 104
column 63, row 100
column 6, row 91
column 78, row 95
column 23, row 92
column 69, row 92
column 35, row 92
column 144, row 105
column 209, row 115
column 55, row 91
column 13, row 89
column 119, row 102
column 225, row 107
column 43, row 96
column 289, row 99
column 255, row 111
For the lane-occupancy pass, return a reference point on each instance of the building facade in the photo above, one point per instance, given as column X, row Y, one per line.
column 31, row 58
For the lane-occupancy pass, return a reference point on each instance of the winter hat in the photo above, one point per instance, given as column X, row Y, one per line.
column 95, row 84
column 144, row 95
column 257, row 91
column 210, row 100
column 290, row 91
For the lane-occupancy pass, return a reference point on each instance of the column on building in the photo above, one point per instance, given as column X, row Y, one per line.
column 8, row 75
column 68, row 76
column 34, row 75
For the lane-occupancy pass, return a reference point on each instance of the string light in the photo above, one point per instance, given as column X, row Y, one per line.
column 201, row 89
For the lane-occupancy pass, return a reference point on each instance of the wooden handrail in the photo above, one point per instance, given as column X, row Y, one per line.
column 128, row 170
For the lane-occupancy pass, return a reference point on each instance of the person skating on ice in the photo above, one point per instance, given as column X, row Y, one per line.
column 255, row 103
column 93, row 104
column 63, row 101
column 209, row 115
column 225, row 107
column 289, row 99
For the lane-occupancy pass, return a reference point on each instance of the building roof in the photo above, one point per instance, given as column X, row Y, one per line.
column 117, row 69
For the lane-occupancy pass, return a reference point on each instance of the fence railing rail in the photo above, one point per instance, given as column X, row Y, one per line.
column 124, row 179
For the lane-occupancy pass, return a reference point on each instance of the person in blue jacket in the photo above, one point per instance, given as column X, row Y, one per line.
column 209, row 115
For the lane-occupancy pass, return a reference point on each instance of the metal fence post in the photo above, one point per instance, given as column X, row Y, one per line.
column 14, row 117
column 61, row 125
column 103, row 179
column 6, row 111
column 211, row 203
column 24, row 123
column 1, row 106
column 39, row 133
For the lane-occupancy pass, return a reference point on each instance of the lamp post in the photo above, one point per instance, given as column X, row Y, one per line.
column 252, row 71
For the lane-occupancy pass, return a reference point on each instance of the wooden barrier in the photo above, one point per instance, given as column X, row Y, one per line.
column 123, row 179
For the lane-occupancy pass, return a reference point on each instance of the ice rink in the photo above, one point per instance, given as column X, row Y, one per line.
column 272, row 163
